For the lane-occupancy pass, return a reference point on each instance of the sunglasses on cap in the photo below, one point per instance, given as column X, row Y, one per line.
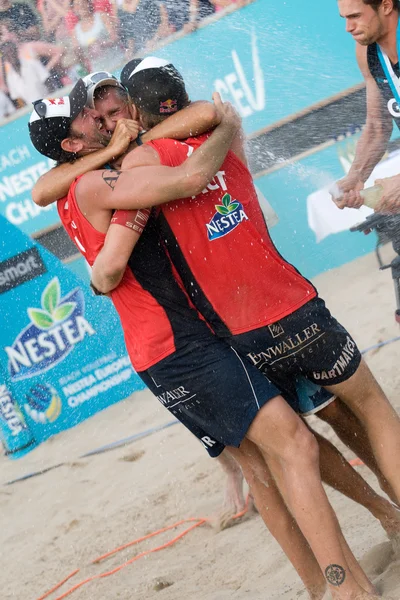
column 40, row 108
column 99, row 79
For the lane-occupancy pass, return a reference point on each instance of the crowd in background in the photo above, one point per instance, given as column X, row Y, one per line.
column 47, row 44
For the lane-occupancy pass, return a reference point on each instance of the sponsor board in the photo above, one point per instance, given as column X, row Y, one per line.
column 62, row 353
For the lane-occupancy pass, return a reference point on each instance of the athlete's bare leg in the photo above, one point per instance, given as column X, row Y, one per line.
column 353, row 434
column 338, row 474
column 234, row 501
column 278, row 519
column 363, row 395
column 292, row 454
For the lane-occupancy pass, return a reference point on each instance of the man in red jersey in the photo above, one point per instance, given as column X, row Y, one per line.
column 268, row 312
column 114, row 106
column 287, row 444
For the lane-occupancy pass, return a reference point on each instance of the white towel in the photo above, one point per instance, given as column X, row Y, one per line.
column 324, row 217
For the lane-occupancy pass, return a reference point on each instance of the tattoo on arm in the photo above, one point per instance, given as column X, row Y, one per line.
column 335, row 575
column 111, row 178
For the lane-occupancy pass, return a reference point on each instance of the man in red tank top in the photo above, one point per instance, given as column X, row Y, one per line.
column 285, row 444
column 248, row 293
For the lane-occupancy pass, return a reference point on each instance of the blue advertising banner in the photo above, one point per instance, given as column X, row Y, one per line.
column 287, row 190
column 20, row 167
column 271, row 59
column 16, row 435
column 62, row 352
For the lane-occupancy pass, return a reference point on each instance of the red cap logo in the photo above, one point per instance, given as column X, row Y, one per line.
column 169, row 106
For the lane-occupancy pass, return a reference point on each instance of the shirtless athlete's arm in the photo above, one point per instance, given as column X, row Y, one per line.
column 197, row 118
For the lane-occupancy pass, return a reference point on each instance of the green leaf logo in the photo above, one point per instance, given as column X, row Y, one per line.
column 226, row 200
column 222, row 209
column 51, row 312
column 51, row 296
column 63, row 311
column 227, row 205
column 40, row 318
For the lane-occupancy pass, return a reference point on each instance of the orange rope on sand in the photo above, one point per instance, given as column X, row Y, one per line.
column 147, row 552
column 142, row 539
column 59, row 585
column 196, row 523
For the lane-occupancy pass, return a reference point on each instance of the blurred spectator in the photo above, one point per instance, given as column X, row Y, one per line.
column 221, row 4
column 6, row 106
column 80, row 36
column 140, row 22
column 58, row 23
column 25, row 75
column 54, row 14
column 109, row 10
column 187, row 13
column 23, row 20
column 93, row 36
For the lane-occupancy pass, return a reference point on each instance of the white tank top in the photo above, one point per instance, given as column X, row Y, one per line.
column 97, row 32
column 29, row 84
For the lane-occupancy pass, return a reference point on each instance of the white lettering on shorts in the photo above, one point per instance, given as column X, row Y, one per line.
column 288, row 347
column 208, row 442
column 178, row 394
column 340, row 365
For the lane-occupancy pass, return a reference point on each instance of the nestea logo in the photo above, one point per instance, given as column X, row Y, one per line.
column 228, row 216
column 54, row 331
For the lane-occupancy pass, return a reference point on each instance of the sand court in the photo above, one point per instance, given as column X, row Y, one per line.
column 66, row 517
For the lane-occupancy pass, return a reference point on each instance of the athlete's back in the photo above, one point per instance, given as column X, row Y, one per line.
column 220, row 245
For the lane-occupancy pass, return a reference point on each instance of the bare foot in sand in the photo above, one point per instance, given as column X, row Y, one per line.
column 234, row 501
column 389, row 518
column 319, row 594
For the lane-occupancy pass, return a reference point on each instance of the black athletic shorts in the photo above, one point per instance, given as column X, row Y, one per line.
column 309, row 343
column 216, row 393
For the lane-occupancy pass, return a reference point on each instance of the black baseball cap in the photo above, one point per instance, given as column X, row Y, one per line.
column 51, row 120
column 154, row 85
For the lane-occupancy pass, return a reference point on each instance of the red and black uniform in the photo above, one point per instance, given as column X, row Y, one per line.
column 223, row 252
column 155, row 312
column 200, row 379
column 236, row 278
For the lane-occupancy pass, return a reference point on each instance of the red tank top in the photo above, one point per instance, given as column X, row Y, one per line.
column 220, row 245
column 152, row 327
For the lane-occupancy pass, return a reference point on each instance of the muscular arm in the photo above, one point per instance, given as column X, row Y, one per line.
column 144, row 187
column 109, row 266
column 193, row 120
column 54, row 184
column 374, row 140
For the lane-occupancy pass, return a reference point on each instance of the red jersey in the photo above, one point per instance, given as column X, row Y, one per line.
column 155, row 313
column 220, row 245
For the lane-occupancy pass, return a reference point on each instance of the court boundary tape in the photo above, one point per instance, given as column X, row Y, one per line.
column 112, row 446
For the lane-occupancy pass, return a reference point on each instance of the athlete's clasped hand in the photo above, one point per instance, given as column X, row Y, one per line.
column 126, row 131
column 227, row 113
